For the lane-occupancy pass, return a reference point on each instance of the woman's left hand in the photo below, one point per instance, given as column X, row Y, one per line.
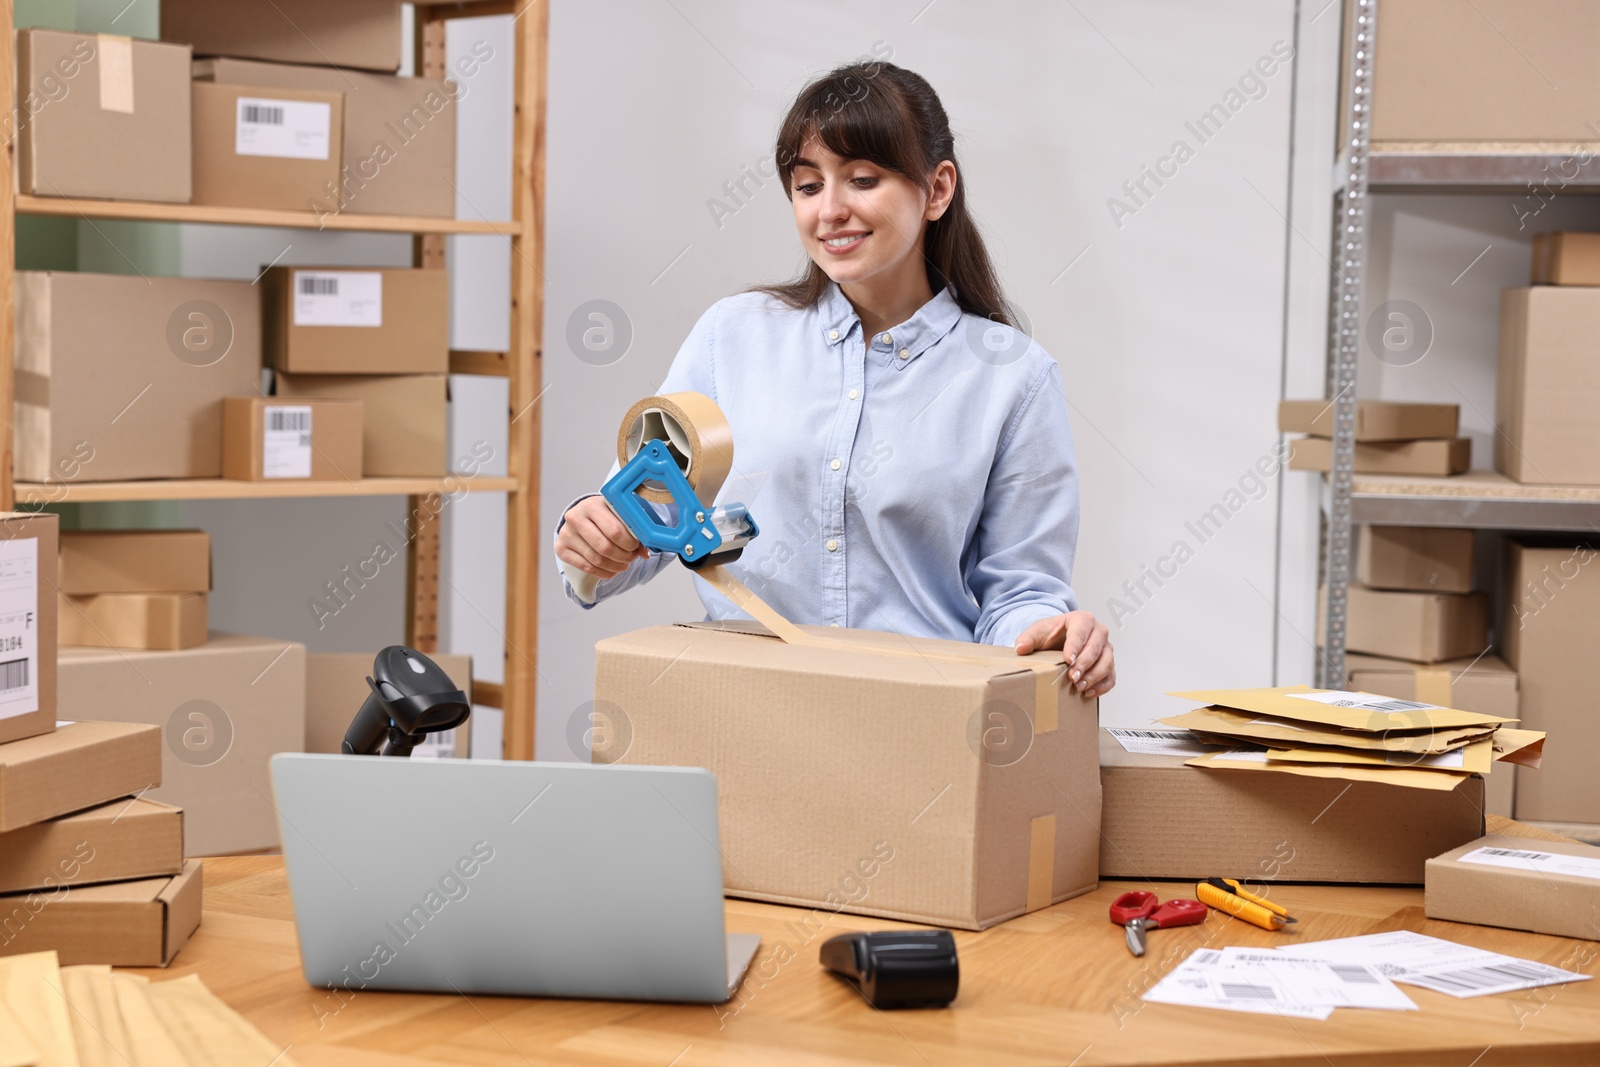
column 1085, row 646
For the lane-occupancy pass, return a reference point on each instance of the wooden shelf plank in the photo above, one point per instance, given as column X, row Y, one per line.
column 70, row 207
column 229, row 489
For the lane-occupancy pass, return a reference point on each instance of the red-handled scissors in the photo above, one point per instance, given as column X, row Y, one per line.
column 1139, row 911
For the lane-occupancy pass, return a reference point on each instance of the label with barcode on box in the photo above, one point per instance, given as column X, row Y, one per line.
column 1340, row 698
column 19, row 627
column 338, row 298
column 1157, row 742
column 286, row 441
column 287, row 129
column 1527, row 859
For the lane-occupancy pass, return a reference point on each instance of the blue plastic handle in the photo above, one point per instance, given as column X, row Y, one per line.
column 693, row 537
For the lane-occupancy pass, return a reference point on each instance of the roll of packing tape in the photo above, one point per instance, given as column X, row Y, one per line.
column 696, row 432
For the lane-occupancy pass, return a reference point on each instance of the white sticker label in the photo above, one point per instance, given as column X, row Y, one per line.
column 1456, row 760
column 441, row 745
column 1365, row 701
column 338, row 298
column 1160, row 742
column 286, row 441
column 1243, row 755
column 288, row 129
column 1539, row 862
column 19, row 627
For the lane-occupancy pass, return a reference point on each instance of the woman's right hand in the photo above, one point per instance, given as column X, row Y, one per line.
column 595, row 541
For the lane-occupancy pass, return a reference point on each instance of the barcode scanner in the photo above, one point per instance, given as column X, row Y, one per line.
column 897, row 968
column 411, row 697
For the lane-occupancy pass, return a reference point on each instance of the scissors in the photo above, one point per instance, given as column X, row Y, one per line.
column 1139, row 911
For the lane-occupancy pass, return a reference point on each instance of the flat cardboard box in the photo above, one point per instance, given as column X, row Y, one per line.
column 102, row 117
column 833, row 761
column 133, row 620
column 267, row 439
column 1429, row 559
column 364, row 34
column 1559, row 902
column 134, row 561
column 1566, row 259
column 1422, row 627
column 78, row 765
column 403, row 418
column 1549, row 635
column 28, row 624
column 258, row 147
column 1376, row 420
column 1432, row 458
column 336, row 687
column 356, row 320
column 399, row 133
column 1548, row 386
column 124, row 924
column 131, row 837
column 224, row 708
column 1165, row 820
column 181, row 345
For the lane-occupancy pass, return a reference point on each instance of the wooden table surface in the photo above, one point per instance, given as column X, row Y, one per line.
column 1054, row 987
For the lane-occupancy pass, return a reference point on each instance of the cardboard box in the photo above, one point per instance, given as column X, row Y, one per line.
column 356, row 321
column 223, row 707
column 124, row 924
column 399, row 134
column 258, row 147
column 265, row 439
column 1566, row 259
column 1435, row 458
column 102, row 117
column 1376, row 420
column 1549, row 636
column 1422, row 627
column 403, row 418
column 1520, row 883
column 75, row 766
column 27, row 624
column 1430, row 559
column 1548, row 386
column 336, row 686
column 1164, row 820
column 132, row 837
column 968, row 805
column 133, row 620
column 134, row 561
column 181, row 344
column 349, row 33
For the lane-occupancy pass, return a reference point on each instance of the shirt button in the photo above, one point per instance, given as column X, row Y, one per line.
column 833, row 335
column 888, row 340
column 833, row 546
column 905, row 353
column 834, row 464
column 854, row 394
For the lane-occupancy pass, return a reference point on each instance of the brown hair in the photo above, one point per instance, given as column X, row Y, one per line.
column 891, row 117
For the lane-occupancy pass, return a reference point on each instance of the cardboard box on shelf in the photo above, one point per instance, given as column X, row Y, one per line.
column 399, row 134
column 256, row 147
column 225, row 707
column 336, row 686
column 1436, row 458
column 76, row 766
column 124, row 924
column 133, row 620
column 265, row 439
column 27, row 624
column 356, row 321
column 1519, row 883
column 131, row 837
column 1433, row 559
column 364, row 34
column 134, row 561
column 1376, row 420
column 102, row 117
column 1422, row 627
column 181, row 344
column 1548, row 386
column 403, row 418
column 968, row 804
column 1566, row 259
column 1165, row 820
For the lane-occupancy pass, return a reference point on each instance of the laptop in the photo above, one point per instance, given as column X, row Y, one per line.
column 499, row 876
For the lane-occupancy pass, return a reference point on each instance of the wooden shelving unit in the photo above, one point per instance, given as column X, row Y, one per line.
column 520, row 364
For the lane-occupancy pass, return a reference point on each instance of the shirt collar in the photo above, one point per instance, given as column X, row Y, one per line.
column 901, row 344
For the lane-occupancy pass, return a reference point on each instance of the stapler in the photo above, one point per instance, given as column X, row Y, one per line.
column 897, row 968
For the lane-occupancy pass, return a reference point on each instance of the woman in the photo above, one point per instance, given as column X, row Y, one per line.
column 904, row 449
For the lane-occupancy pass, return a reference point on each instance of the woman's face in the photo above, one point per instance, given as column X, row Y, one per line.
column 859, row 221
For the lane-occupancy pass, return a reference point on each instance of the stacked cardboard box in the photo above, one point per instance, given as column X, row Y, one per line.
column 1391, row 438
column 134, row 588
column 264, row 439
column 1413, row 599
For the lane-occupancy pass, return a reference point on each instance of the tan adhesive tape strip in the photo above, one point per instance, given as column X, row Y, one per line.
column 115, row 55
column 1433, row 686
column 697, row 433
column 1041, row 862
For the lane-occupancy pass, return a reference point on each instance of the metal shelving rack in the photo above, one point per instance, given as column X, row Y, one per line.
column 521, row 364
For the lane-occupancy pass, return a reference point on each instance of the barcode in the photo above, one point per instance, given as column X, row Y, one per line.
column 1494, row 974
column 1381, row 705
column 1349, row 973
column 262, row 115
column 279, row 419
column 314, row 285
column 1154, row 735
column 1516, row 855
column 1239, row 991
column 13, row 674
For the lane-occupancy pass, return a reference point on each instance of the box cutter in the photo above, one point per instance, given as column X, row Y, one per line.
column 897, row 968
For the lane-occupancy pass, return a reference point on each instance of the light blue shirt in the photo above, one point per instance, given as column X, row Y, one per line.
column 923, row 484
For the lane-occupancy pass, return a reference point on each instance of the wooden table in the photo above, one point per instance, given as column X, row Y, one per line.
column 1054, row 987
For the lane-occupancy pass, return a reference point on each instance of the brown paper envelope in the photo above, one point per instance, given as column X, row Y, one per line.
column 30, row 986
column 1475, row 758
column 1401, row 776
column 1245, row 725
column 1350, row 710
column 1522, row 747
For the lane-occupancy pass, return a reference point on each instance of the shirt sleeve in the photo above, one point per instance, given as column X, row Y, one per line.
column 1020, row 564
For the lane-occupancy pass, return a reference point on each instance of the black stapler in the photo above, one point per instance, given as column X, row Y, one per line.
column 897, row 968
